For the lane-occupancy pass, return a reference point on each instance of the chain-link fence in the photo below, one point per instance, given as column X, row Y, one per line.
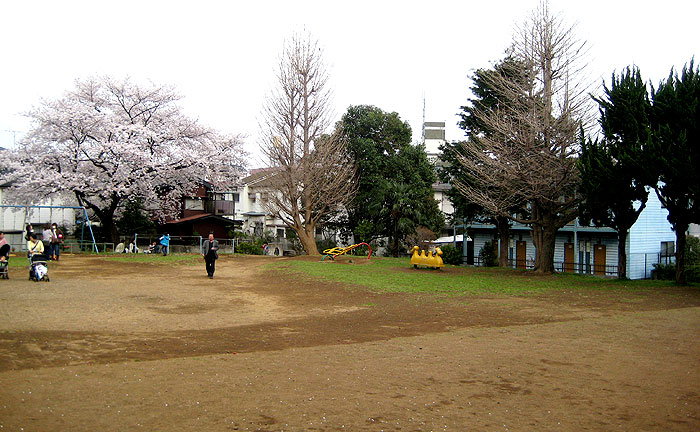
column 150, row 243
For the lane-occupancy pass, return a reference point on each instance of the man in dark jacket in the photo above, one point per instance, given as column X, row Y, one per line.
column 210, row 254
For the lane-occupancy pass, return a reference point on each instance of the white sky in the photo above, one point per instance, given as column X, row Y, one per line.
column 221, row 55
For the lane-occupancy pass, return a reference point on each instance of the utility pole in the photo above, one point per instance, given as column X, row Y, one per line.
column 14, row 136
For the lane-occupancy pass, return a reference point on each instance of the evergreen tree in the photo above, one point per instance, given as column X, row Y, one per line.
column 675, row 125
column 530, row 162
column 487, row 98
column 394, row 178
column 614, row 169
column 135, row 219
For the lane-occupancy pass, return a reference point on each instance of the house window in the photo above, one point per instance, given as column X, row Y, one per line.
column 280, row 232
column 668, row 250
column 236, row 197
column 667, row 253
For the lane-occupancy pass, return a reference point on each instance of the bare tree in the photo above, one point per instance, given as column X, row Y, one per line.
column 529, row 162
column 311, row 174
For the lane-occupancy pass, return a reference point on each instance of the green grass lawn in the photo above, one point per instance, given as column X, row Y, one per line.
column 184, row 259
column 398, row 275
column 172, row 259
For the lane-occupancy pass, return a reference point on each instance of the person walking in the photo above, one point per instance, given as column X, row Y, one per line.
column 165, row 243
column 210, row 253
column 56, row 240
column 46, row 239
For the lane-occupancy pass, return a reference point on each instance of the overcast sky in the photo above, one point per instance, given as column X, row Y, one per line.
column 221, row 55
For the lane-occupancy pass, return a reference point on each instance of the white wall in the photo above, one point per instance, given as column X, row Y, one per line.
column 645, row 237
column 444, row 203
column 15, row 219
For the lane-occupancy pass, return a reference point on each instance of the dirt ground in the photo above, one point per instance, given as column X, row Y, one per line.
column 108, row 346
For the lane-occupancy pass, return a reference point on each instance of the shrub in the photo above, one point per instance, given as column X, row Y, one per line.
column 692, row 273
column 249, row 248
column 692, row 263
column 363, row 251
column 324, row 244
column 451, row 255
column 487, row 255
column 692, row 251
column 421, row 238
column 664, row 271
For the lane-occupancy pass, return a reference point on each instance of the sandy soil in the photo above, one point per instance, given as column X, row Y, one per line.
column 109, row 346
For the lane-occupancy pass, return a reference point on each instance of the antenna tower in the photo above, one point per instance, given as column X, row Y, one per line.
column 423, row 123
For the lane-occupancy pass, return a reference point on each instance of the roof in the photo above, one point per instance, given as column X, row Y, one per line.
column 202, row 216
column 450, row 239
column 258, row 176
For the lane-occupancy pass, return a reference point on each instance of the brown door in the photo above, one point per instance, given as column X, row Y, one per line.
column 568, row 257
column 599, row 259
column 520, row 254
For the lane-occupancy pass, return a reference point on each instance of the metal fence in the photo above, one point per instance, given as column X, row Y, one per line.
column 69, row 246
column 78, row 246
column 144, row 243
column 640, row 265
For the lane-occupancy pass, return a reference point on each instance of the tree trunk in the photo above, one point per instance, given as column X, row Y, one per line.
column 621, row 254
column 395, row 245
column 109, row 227
column 503, row 226
column 680, row 253
column 544, row 239
column 105, row 215
column 307, row 239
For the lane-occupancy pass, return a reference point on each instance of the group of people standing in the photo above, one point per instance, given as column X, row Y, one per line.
column 162, row 246
column 49, row 244
column 52, row 238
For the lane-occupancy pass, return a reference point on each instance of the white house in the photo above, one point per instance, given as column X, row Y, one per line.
column 250, row 198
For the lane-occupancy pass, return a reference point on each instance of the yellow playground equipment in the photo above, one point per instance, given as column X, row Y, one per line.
column 426, row 258
column 336, row 251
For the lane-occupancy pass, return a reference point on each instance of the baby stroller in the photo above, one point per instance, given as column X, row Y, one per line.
column 38, row 270
column 4, row 252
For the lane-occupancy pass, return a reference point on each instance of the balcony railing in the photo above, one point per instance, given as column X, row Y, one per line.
column 220, row 207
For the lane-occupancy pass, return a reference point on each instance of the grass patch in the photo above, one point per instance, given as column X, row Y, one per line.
column 397, row 275
column 186, row 259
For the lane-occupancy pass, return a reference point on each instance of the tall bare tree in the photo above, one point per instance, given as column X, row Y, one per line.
column 528, row 160
column 311, row 173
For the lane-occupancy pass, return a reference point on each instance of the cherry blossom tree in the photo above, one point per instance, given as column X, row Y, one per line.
column 107, row 142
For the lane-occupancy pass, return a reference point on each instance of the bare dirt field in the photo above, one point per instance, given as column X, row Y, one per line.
column 108, row 346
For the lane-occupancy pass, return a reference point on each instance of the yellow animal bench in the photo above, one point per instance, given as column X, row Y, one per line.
column 428, row 259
